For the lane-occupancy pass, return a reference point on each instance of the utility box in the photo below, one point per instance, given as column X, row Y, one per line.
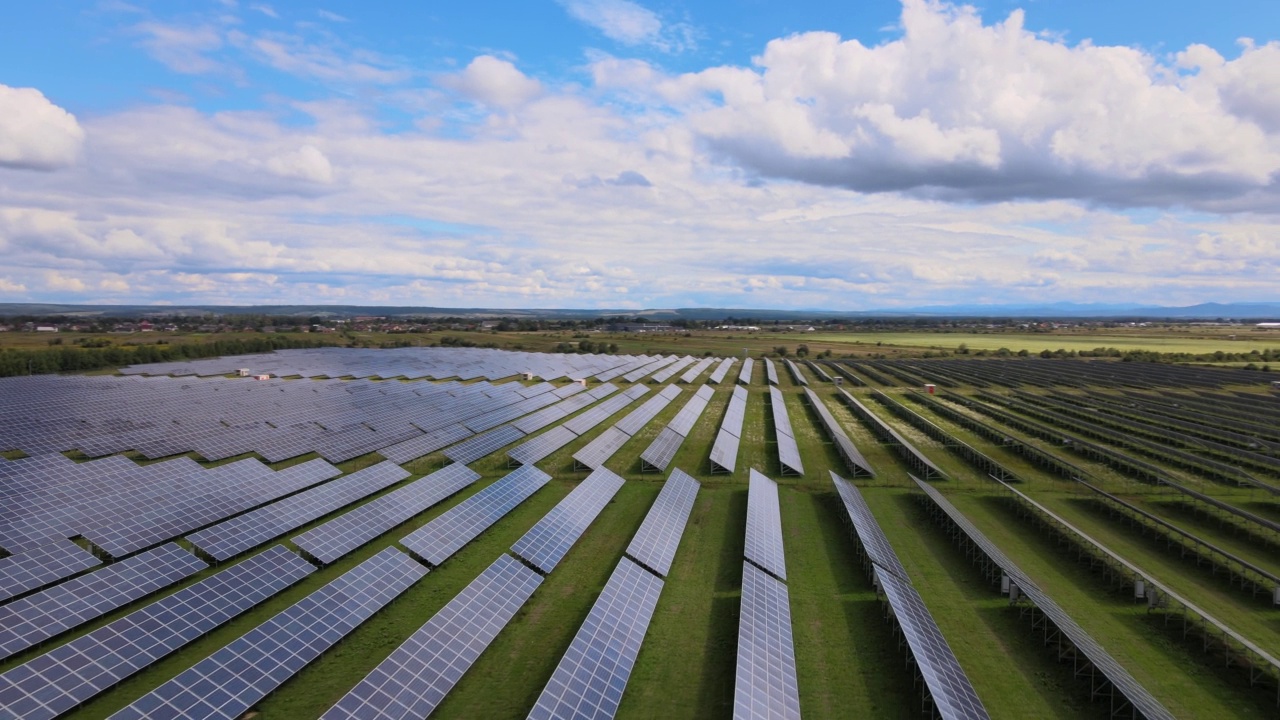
column 929, row 388
column 1139, row 589
column 243, row 372
column 261, row 377
column 527, row 376
column 838, row 380
column 581, row 381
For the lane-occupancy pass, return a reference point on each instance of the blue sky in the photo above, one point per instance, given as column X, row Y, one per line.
column 610, row 153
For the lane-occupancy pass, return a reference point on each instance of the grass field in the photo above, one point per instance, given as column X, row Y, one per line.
column 848, row 658
column 1153, row 340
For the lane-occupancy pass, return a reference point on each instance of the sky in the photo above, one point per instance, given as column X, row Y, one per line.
column 648, row 154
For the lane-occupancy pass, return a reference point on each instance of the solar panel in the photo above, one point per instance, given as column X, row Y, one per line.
column 853, row 459
column 744, row 375
column 70, row 674
column 35, row 618
column 540, row 447
column 764, row 526
column 795, row 373
column 770, row 371
column 483, row 444
column 724, row 454
column 57, row 559
column 583, row 423
column 232, row 537
column 695, row 370
column 344, row 533
column 661, row 451
column 599, row 450
column 688, row 416
column 952, row 693
column 788, row 451
column 718, row 375
column 233, row 679
column 413, row 680
column 765, row 688
column 416, row 447
column 547, row 542
column 591, row 677
column 654, row 545
column 667, row 372
column 870, row 535
column 638, row 418
column 448, row 533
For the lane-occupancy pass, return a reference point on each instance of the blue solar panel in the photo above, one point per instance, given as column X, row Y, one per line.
column 38, row 617
column 70, row 674
column 546, row 543
column 445, row 535
column 591, row 677
column 57, row 559
column 415, row 678
column 229, row 682
column 764, row 526
column 655, row 543
column 766, row 686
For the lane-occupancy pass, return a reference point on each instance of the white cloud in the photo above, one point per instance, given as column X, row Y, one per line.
column 266, row 10
column 331, row 16
column 961, row 110
column 494, row 82
column 9, row 286
column 621, row 20
column 35, row 133
column 307, row 163
column 297, row 56
column 182, row 49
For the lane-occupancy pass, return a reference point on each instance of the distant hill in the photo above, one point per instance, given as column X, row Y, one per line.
column 1205, row 311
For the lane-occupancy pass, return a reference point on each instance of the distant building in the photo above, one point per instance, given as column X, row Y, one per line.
column 1268, row 326
column 640, row 327
column 46, row 328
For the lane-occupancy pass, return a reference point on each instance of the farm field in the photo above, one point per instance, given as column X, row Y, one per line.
column 849, row 661
column 1195, row 342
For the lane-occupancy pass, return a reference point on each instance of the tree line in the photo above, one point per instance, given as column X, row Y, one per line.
column 65, row 358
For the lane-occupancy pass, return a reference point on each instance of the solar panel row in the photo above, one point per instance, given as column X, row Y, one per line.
column 448, row 533
column 68, row 675
column 724, row 453
column 232, row 537
column 591, row 677
column 39, row 566
column 953, row 695
column 654, row 545
column 744, row 375
column 765, row 687
column 35, row 618
column 695, row 370
column 413, row 680
column 344, row 533
column 770, row 371
column 764, row 526
column 722, row 369
column 870, row 536
column 853, row 459
column 547, row 542
column 795, row 373
column 788, row 451
column 669, row 371
column 663, row 449
column 229, row 682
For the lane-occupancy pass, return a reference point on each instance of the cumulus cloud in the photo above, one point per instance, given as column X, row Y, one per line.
column 307, row 163
column 35, row 133
column 959, row 110
column 494, row 82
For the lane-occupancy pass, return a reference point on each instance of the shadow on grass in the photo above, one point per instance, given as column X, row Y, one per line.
column 1189, row 514
column 715, row 692
column 1156, row 545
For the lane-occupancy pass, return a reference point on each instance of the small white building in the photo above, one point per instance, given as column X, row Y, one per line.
column 243, row 372
column 261, row 377
column 46, row 328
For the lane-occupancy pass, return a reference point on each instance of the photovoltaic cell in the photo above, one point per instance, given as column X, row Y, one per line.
column 744, row 375
column 448, row 533
column 540, row 447
column 638, row 418
column 416, row 447
column 344, row 533
column 232, row 680
column 70, row 674
column 35, row 618
column 765, row 688
column 952, row 693
column 547, row 542
column 771, row 371
column 788, row 451
column 413, row 680
column 591, row 677
column 232, row 537
column 718, row 375
column 599, row 450
column 483, row 444
column 57, row 559
column 687, row 418
column 724, row 453
column 853, row 459
column 654, row 545
column 870, row 535
column 764, row 526
column 661, row 451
